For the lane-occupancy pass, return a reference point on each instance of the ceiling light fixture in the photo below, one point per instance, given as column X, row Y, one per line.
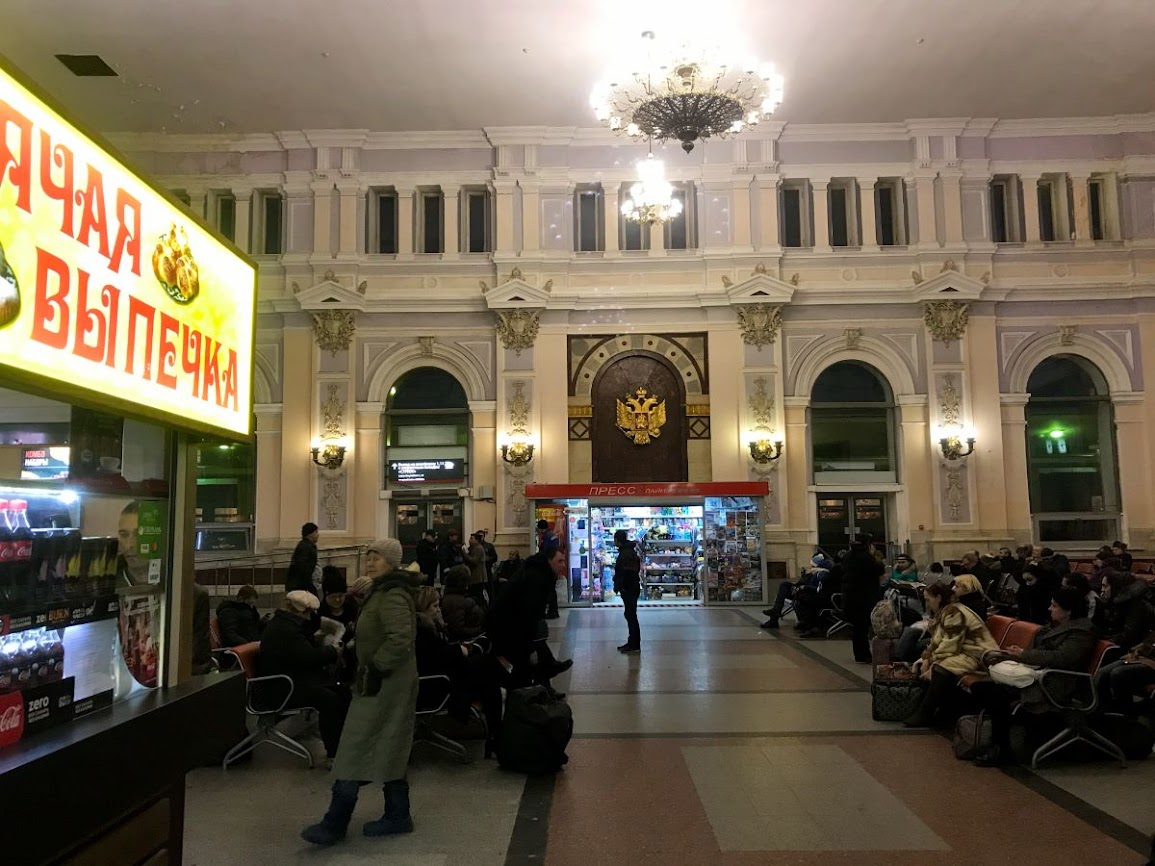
column 686, row 92
column 651, row 200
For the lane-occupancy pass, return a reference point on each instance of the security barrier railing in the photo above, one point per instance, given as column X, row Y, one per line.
column 224, row 575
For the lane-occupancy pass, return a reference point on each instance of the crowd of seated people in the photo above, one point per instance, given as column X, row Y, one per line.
column 482, row 636
column 1075, row 609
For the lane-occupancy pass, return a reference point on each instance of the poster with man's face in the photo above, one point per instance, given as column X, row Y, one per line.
column 141, row 541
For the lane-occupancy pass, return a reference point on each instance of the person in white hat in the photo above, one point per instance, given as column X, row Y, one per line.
column 378, row 733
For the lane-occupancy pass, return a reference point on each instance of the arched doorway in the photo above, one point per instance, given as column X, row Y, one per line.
column 426, row 433
column 1071, row 467
column 852, row 446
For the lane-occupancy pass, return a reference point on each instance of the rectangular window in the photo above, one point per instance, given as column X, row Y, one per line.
column 383, row 232
column 271, row 214
column 225, row 214
column 1006, row 212
column 889, row 212
column 430, row 219
column 839, row 224
column 1046, row 194
column 791, row 216
column 678, row 234
column 478, row 232
column 588, row 218
column 1095, row 205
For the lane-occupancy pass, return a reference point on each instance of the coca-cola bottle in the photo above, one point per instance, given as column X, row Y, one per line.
column 22, row 661
column 54, row 652
column 8, row 668
column 37, row 658
column 7, row 555
column 22, row 543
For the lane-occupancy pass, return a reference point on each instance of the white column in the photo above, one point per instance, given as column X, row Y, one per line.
column 768, row 238
column 451, row 213
column 405, row 223
column 269, row 461
column 612, row 217
column 322, row 216
column 869, row 239
column 530, row 217
column 550, row 396
column 902, row 232
column 367, row 470
column 1082, row 207
column 243, row 231
column 952, row 207
column 503, row 219
column 197, row 199
column 348, row 237
column 740, row 216
column 927, row 223
column 1030, row 184
column 820, row 193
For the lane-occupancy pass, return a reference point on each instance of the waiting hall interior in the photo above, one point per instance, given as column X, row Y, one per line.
column 508, row 433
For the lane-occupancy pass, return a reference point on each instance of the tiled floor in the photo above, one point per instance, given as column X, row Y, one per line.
column 719, row 744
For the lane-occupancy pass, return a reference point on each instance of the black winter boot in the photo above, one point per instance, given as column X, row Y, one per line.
column 396, row 818
column 332, row 828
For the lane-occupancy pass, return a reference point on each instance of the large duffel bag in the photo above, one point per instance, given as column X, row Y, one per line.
column 895, row 700
column 535, row 731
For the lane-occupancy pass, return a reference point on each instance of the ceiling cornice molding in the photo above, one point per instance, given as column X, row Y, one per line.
column 810, row 132
column 463, row 139
column 1059, row 126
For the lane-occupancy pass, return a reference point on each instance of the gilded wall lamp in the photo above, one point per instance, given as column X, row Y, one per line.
column 517, row 450
column 329, row 453
column 765, row 447
column 951, row 443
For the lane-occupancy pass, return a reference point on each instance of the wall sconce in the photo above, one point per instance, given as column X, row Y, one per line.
column 764, row 447
column 329, row 453
column 517, row 450
column 950, row 442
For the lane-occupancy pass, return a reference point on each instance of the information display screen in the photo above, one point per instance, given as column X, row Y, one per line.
column 435, row 471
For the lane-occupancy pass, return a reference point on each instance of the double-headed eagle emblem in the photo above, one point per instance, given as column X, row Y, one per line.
column 641, row 418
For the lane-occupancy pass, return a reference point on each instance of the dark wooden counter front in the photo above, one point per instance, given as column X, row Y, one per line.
column 109, row 788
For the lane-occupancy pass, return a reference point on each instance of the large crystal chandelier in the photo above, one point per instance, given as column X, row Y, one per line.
column 651, row 200
column 685, row 92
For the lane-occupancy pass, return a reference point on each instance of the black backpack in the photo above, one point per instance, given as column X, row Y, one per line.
column 535, row 732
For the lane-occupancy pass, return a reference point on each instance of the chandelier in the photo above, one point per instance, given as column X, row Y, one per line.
column 688, row 93
column 651, row 200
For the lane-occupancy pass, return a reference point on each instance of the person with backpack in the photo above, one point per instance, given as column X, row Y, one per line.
column 628, row 584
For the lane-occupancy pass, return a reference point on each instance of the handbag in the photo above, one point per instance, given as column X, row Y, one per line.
column 895, row 700
column 1014, row 674
column 972, row 736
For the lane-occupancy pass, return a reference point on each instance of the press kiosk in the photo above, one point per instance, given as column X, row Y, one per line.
column 126, row 333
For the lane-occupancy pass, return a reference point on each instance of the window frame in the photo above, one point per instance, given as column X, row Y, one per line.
column 217, row 199
column 259, row 225
column 468, row 195
column 377, row 195
column 896, row 188
column 801, row 186
column 688, row 217
column 1012, row 208
column 422, row 197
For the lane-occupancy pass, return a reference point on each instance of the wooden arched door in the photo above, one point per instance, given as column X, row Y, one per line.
column 616, row 457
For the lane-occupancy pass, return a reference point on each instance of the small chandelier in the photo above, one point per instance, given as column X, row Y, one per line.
column 686, row 93
column 651, row 199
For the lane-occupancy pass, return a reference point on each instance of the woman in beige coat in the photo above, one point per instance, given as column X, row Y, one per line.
column 378, row 733
column 958, row 639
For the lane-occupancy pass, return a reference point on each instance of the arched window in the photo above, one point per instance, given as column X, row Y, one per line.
column 852, row 425
column 427, row 421
column 1071, row 452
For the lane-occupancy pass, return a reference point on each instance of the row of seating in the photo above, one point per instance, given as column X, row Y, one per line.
column 268, row 699
column 1076, row 711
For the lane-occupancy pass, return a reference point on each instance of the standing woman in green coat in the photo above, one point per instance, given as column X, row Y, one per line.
column 378, row 733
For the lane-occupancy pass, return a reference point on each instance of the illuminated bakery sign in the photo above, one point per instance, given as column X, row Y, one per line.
column 107, row 287
column 436, row 471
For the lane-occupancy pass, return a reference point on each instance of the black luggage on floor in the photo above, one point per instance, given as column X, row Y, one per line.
column 893, row 700
column 534, row 732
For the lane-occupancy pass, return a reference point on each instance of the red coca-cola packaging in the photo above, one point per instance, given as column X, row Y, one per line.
column 11, row 718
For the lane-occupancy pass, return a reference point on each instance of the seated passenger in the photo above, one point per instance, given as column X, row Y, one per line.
column 337, row 603
column 905, row 570
column 809, row 602
column 237, row 619
column 1035, row 592
column 288, row 648
column 1126, row 614
column 1121, row 681
column 472, row 674
column 1078, row 580
column 812, row 577
column 969, row 591
column 958, row 640
column 1066, row 644
column 464, row 616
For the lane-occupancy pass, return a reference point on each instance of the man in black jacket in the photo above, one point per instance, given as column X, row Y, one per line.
column 516, row 623
column 628, row 583
column 861, row 591
column 288, row 648
column 238, row 620
column 427, row 556
column 449, row 552
column 304, row 562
